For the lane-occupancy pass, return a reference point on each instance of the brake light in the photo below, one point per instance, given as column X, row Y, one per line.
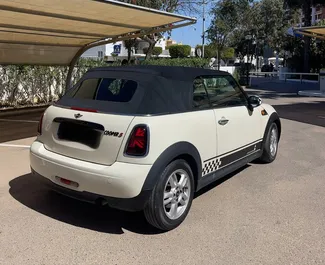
column 83, row 109
column 138, row 142
column 40, row 124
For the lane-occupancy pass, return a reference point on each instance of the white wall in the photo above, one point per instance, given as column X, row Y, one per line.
column 94, row 52
column 229, row 69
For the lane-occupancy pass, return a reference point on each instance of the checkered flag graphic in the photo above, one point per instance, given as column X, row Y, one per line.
column 211, row 166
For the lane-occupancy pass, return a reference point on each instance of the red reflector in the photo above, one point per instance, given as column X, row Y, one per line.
column 83, row 109
column 65, row 181
column 68, row 182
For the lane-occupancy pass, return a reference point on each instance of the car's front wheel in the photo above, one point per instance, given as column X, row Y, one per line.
column 172, row 196
column 270, row 148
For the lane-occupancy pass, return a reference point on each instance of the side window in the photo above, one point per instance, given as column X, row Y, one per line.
column 223, row 91
column 200, row 96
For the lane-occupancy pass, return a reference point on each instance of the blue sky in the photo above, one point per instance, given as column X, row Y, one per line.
column 191, row 35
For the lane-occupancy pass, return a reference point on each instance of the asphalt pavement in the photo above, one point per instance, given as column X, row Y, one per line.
column 262, row 214
column 15, row 126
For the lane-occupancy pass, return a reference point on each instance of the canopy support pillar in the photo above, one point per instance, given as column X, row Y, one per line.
column 72, row 65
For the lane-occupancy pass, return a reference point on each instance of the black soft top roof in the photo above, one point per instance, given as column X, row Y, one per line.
column 169, row 72
column 161, row 89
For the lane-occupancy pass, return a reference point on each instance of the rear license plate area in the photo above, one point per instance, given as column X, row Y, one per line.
column 85, row 133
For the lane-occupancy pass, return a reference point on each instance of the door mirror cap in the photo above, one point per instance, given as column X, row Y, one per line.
column 254, row 101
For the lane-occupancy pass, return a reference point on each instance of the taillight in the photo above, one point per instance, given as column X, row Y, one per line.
column 40, row 124
column 138, row 142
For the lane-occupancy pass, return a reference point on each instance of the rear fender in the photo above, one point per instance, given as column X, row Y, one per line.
column 170, row 154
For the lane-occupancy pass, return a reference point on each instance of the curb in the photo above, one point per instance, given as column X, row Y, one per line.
column 23, row 110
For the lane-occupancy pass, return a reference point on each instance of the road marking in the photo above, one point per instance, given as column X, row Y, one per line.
column 30, row 121
column 15, row 145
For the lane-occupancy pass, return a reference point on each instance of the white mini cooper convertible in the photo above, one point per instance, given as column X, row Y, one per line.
column 146, row 138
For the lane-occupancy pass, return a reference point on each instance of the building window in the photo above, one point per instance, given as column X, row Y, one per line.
column 100, row 54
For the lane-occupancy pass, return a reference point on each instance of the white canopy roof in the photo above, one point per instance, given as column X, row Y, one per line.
column 315, row 32
column 55, row 32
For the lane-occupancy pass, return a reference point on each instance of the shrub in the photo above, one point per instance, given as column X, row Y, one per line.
column 156, row 50
column 29, row 85
column 180, row 51
column 210, row 50
column 186, row 62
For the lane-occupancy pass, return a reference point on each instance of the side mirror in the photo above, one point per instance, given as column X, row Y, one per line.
column 254, row 101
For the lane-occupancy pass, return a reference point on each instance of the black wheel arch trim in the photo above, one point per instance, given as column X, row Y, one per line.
column 274, row 117
column 171, row 153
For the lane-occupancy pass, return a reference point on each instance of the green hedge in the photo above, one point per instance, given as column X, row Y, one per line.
column 29, row 85
column 156, row 50
column 186, row 62
column 180, row 51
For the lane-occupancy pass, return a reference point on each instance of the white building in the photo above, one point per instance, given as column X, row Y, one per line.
column 107, row 51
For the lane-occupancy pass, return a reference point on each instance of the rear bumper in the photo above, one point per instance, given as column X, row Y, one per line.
column 133, row 204
column 119, row 184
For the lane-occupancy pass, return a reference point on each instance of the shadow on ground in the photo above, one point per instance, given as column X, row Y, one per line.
column 220, row 181
column 27, row 190
column 272, row 95
column 310, row 112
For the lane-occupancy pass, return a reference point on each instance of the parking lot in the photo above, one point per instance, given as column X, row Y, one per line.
column 262, row 214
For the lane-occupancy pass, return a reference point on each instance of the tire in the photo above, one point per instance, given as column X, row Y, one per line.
column 269, row 153
column 156, row 212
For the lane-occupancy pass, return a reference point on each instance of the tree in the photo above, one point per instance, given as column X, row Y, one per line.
column 295, row 47
column 228, row 53
column 261, row 25
column 130, row 45
column 184, row 6
column 224, row 22
column 306, row 6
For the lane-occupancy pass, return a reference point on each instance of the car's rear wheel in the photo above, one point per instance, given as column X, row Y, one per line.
column 271, row 143
column 172, row 196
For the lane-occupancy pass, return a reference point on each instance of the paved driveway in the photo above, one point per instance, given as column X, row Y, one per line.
column 263, row 214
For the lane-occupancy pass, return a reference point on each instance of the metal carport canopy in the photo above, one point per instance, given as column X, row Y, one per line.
column 57, row 32
column 315, row 31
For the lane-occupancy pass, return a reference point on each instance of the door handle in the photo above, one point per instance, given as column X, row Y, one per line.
column 223, row 121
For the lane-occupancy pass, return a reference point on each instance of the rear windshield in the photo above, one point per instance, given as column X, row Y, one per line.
column 104, row 89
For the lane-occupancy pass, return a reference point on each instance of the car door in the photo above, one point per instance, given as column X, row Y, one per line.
column 238, row 128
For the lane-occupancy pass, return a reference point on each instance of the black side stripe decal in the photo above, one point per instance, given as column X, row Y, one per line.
column 256, row 142
column 226, row 160
column 216, row 163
